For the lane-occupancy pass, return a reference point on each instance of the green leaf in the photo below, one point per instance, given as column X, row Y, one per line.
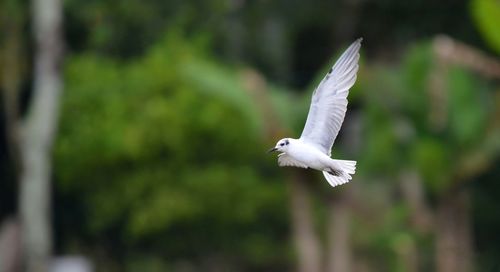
column 467, row 112
column 486, row 14
column 432, row 159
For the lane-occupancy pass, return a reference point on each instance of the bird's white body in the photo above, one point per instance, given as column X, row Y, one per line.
column 326, row 114
column 299, row 153
column 308, row 155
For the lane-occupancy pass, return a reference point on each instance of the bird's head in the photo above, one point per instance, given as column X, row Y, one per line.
column 281, row 146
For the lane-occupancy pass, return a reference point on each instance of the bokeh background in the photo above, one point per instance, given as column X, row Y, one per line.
column 151, row 143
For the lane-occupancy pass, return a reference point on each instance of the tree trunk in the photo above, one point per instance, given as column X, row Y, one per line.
column 413, row 193
column 339, row 245
column 306, row 241
column 37, row 135
column 10, row 248
column 453, row 233
column 304, row 235
column 420, row 219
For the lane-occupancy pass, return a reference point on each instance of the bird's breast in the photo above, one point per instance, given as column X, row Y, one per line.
column 309, row 155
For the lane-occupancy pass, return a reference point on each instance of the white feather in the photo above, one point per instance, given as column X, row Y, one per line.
column 347, row 168
column 285, row 160
column 329, row 101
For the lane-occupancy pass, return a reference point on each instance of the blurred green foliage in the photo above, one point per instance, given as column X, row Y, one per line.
column 166, row 152
column 400, row 122
column 158, row 159
column 160, row 163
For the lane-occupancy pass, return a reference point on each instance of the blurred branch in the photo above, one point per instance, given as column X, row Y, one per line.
column 339, row 231
column 454, row 233
column 306, row 240
column 341, row 204
column 413, row 192
column 438, row 93
column 37, row 135
column 448, row 52
column 455, row 52
column 451, row 52
column 256, row 86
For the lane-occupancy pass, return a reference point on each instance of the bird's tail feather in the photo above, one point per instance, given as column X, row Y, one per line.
column 342, row 174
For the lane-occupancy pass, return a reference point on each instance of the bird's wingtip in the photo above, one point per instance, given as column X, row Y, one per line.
column 359, row 40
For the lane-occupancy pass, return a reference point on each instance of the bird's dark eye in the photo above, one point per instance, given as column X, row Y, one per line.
column 282, row 144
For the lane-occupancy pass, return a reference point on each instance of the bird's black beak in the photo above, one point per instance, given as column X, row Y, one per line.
column 272, row 150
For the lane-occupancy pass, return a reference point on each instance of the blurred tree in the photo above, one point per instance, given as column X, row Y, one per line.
column 436, row 129
column 37, row 133
column 473, row 128
column 143, row 179
column 302, row 219
column 179, row 169
column 439, row 119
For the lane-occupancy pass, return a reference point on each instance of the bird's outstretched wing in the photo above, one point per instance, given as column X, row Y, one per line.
column 329, row 101
column 285, row 160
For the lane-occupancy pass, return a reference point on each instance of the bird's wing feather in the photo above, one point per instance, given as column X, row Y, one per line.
column 329, row 101
column 285, row 160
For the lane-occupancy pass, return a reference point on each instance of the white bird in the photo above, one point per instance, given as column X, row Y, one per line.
column 328, row 106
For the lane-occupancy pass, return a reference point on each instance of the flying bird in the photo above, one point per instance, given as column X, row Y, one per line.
column 328, row 106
